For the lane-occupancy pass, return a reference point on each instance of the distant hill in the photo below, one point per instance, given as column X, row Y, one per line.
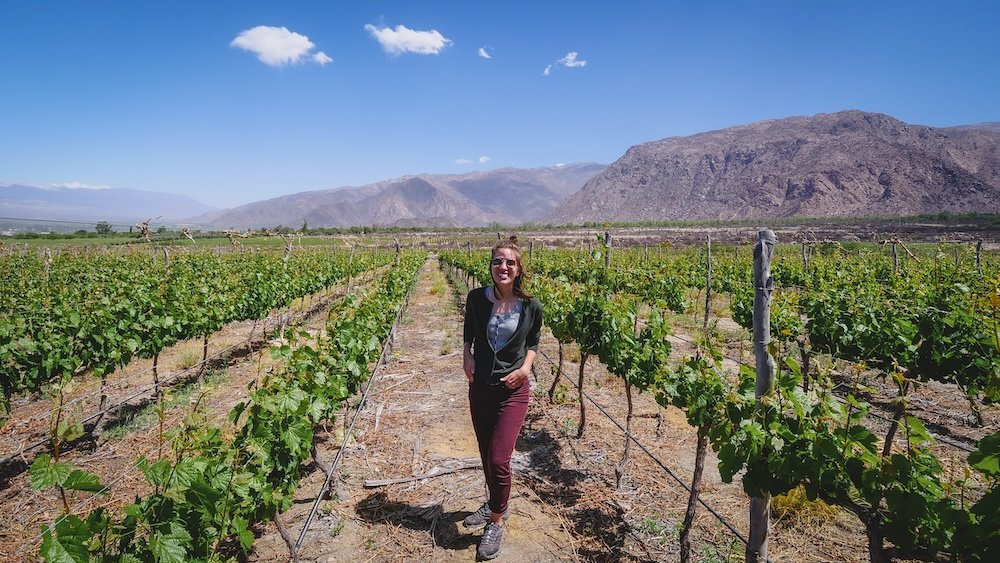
column 850, row 163
column 116, row 205
column 988, row 126
column 505, row 196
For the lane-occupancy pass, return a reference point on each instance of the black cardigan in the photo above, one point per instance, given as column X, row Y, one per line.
column 491, row 367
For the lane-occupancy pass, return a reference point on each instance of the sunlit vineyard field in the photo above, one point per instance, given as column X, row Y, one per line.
column 886, row 354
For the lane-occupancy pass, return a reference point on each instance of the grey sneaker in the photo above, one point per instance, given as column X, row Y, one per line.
column 481, row 516
column 489, row 545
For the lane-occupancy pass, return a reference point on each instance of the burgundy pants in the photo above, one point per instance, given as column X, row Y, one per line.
column 497, row 416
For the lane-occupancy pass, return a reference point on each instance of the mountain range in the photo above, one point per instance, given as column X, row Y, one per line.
column 850, row 163
column 506, row 196
column 116, row 205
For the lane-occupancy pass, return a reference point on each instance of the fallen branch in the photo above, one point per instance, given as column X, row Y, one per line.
column 436, row 472
column 288, row 539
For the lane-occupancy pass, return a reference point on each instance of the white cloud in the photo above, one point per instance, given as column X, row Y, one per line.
column 463, row 161
column 484, row 159
column 483, row 53
column 405, row 40
column 277, row 46
column 569, row 61
column 80, row 186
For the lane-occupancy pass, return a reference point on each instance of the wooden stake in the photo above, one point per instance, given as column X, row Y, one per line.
column 607, row 249
column 708, row 277
column 583, row 410
column 760, row 518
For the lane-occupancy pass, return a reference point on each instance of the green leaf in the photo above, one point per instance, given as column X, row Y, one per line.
column 203, row 496
column 46, row 473
column 79, row 480
column 290, row 401
column 245, row 535
column 69, row 431
column 234, row 414
column 54, row 551
column 918, row 432
column 986, row 458
column 317, row 408
column 157, row 473
column 69, row 544
column 186, row 472
column 170, row 547
column 297, row 435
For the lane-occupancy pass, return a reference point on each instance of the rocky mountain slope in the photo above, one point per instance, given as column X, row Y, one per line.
column 505, row 196
column 850, row 163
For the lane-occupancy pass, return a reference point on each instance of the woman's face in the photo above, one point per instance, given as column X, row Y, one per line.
column 505, row 272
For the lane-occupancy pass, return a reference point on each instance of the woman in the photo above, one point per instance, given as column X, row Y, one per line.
column 502, row 325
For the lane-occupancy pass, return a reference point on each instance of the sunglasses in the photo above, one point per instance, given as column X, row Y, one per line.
column 497, row 261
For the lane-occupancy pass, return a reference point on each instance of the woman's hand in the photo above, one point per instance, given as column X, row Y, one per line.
column 468, row 364
column 514, row 379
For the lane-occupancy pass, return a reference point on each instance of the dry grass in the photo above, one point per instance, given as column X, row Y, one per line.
column 187, row 359
column 794, row 507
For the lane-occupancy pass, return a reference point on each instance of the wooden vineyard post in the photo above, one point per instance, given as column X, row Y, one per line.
column 607, row 249
column 708, row 276
column 583, row 405
column 469, row 250
column 979, row 256
column 531, row 249
column 397, row 252
column 895, row 259
column 350, row 268
column 760, row 520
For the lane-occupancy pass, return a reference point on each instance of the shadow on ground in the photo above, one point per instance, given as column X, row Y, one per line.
column 443, row 527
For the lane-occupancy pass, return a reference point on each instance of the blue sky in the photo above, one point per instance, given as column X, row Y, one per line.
column 231, row 102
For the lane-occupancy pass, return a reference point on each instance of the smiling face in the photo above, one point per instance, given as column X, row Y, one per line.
column 506, row 271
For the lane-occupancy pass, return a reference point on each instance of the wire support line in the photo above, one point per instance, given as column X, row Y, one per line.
column 38, row 537
column 631, row 437
column 280, row 318
column 107, row 487
column 347, row 435
column 132, row 466
column 939, row 437
column 144, row 390
column 86, row 396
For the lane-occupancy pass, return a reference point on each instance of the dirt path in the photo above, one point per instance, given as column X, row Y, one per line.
column 416, row 422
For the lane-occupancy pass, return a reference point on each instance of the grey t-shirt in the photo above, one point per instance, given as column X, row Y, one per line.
column 501, row 326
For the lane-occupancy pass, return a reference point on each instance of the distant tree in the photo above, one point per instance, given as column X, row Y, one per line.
column 305, row 225
column 103, row 228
